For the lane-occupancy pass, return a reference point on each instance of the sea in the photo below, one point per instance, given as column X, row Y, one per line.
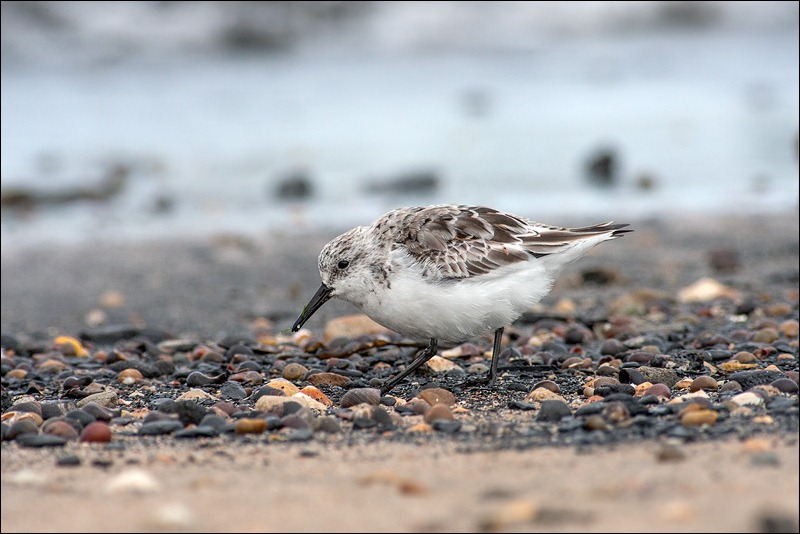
column 560, row 113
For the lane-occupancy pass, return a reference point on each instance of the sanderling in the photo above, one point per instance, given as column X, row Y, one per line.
column 448, row 272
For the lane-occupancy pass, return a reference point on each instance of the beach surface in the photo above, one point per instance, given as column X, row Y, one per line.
column 743, row 478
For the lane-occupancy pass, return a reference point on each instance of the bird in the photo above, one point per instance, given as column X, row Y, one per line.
column 448, row 272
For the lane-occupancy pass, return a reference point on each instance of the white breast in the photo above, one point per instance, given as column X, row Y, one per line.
column 456, row 310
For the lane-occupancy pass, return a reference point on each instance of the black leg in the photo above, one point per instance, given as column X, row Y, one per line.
column 498, row 337
column 428, row 353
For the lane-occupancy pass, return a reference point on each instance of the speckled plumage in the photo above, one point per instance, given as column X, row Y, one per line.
column 449, row 272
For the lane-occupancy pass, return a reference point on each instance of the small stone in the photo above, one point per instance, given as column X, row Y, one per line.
column 659, row 390
column 159, row 428
column 595, row 422
column 437, row 364
column 748, row 398
column 670, row 453
column 129, row 376
column 284, row 385
column 250, row 426
column 353, row 397
column 133, row 481
column 20, row 428
column 69, row 346
column 438, row 412
column 785, row 385
column 108, row 399
column 766, row 335
column 745, row 357
column 703, row 382
column 733, row 366
column 317, row 395
column 40, row 440
column 659, row 375
column 97, row 432
column 542, row 394
column 68, row 461
column 699, row 417
column 195, row 395
column 789, row 328
column 435, row 396
column 547, row 384
column 329, row 379
column 232, row 390
column 705, row 290
column 294, row 371
column 552, row 411
column 61, row 429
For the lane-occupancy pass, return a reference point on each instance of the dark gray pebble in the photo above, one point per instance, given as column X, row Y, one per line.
column 611, row 389
column 521, row 405
column 196, row 432
column 589, row 409
column 293, row 421
column 300, row 434
column 552, row 411
column 40, row 440
column 631, row 376
column 21, row 428
column 189, row 412
column 53, row 409
column 68, row 461
column 448, row 427
column 748, row 379
column 84, row 418
column 786, row 385
column 659, row 375
column 30, row 407
column 157, row 428
column 214, row 421
column 362, row 423
column 328, row 424
column 196, row 378
column 612, row 347
column 232, row 390
column 100, row 413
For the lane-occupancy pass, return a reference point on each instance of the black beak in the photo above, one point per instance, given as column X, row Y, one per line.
column 320, row 297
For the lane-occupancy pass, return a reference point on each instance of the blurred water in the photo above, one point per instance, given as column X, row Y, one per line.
column 710, row 118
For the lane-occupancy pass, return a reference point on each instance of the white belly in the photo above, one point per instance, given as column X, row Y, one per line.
column 457, row 310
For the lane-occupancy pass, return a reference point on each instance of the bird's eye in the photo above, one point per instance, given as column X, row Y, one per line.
column 343, row 264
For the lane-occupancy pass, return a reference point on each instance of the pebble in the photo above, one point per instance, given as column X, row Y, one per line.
column 133, row 480
column 357, row 396
column 699, row 417
column 108, row 399
column 328, row 379
column 294, row 371
column 437, row 364
column 659, row 390
column 435, row 396
column 438, row 412
column 703, row 382
column 250, row 426
column 552, row 411
column 159, row 428
column 748, row 398
column 61, row 429
column 96, row 432
column 40, row 440
column 785, row 385
column 284, row 385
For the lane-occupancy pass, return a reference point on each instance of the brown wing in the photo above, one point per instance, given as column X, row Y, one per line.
column 465, row 241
